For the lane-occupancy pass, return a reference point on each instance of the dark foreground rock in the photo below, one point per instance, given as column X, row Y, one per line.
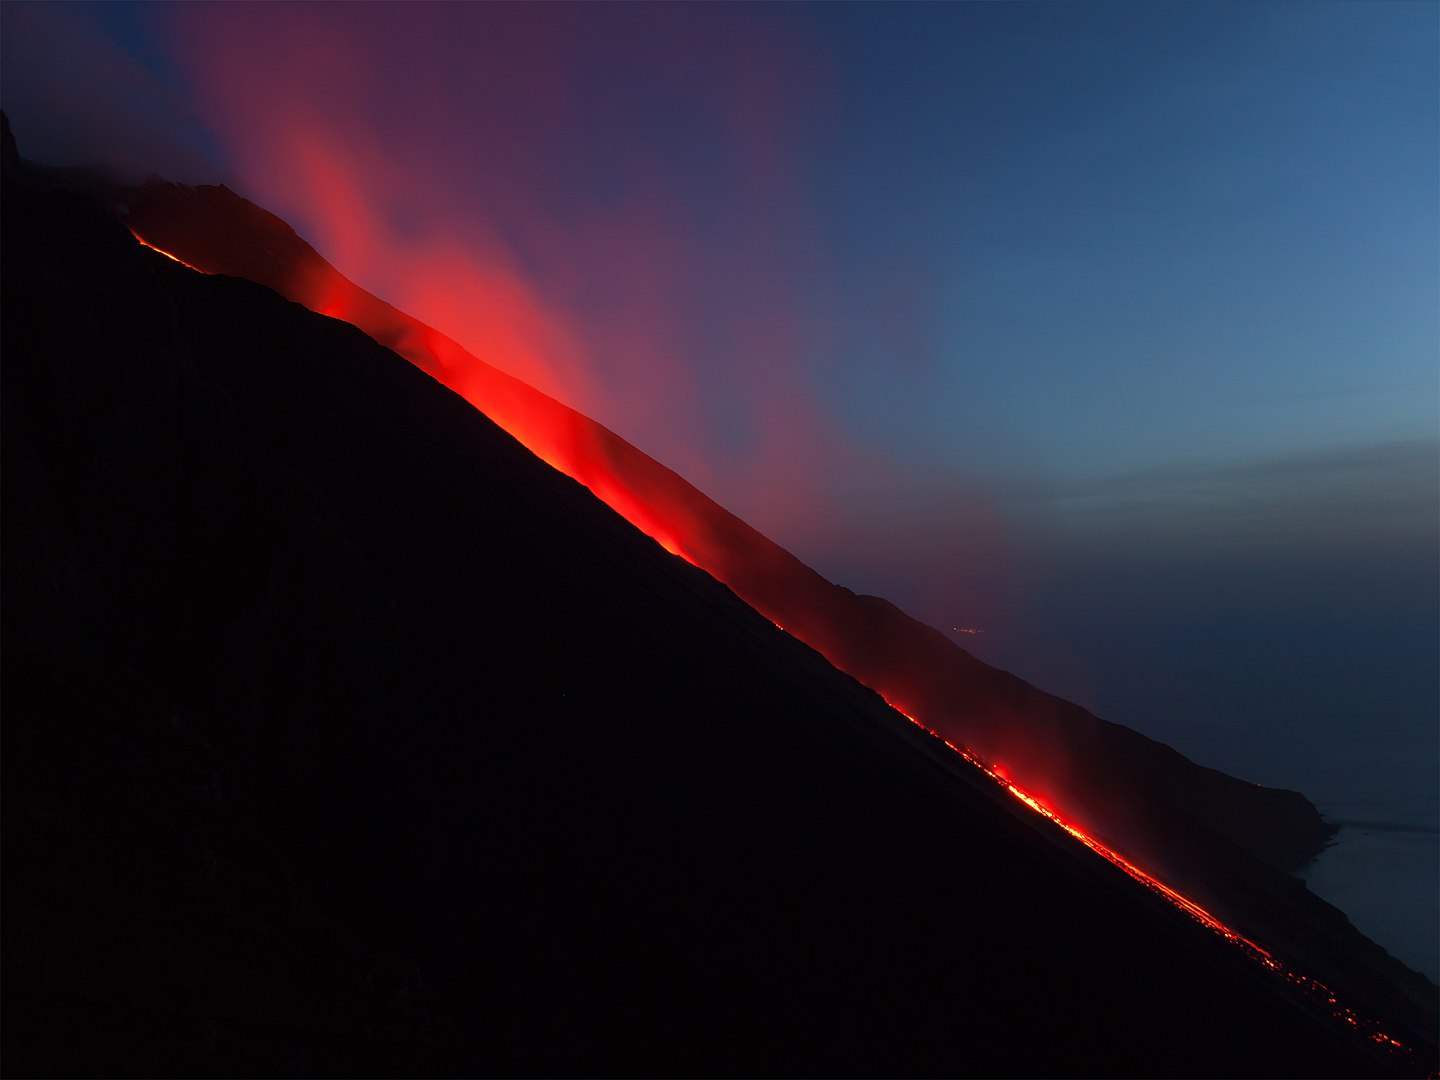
column 343, row 736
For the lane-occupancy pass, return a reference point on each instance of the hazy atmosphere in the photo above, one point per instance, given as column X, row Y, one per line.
column 1109, row 331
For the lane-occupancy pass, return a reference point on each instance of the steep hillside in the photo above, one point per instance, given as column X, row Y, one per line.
column 1137, row 793
column 342, row 735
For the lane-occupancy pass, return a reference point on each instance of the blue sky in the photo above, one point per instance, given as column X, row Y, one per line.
column 1203, row 219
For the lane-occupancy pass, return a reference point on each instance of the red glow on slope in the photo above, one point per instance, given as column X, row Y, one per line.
column 162, row 251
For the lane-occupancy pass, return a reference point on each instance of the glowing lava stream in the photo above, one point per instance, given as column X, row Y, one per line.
column 562, row 445
column 1313, row 988
column 173, row 258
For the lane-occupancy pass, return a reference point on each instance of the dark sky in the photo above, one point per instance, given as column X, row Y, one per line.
column 1108, row 329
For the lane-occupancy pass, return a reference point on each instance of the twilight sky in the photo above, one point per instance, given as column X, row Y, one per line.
column 1110, row 329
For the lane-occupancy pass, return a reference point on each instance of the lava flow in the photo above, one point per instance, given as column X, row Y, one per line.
column 1313, row 988
column 173, row 258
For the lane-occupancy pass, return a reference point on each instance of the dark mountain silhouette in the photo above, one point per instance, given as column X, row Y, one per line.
column 1201, row 830
column 1140, row 795
column 342, row 735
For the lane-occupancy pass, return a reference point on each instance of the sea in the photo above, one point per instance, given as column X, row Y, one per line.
column 1347, row 714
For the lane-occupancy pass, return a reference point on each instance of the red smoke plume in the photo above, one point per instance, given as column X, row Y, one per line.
column 501, row 188
column 442, row 187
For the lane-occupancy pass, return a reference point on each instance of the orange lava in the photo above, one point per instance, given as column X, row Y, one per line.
column 172, row 258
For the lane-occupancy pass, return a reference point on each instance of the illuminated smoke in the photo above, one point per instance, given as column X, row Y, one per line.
column 498, row 191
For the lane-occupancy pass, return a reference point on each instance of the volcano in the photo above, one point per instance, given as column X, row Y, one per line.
column 1139, row 795
column 344, row 734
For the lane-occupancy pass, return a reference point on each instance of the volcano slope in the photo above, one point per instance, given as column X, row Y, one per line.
column 342, row 735
column 1139, row 795
column 1213, row 836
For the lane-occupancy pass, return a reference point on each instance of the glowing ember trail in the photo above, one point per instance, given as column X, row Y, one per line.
column 1314, row 989
column 172, row 258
